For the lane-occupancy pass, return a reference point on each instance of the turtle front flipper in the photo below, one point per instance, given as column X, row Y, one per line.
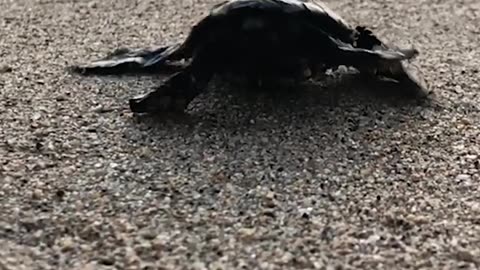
column 180, row 89
column 172, row 96
column 123, row 60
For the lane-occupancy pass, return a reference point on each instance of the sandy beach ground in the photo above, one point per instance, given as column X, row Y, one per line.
column 247, row 181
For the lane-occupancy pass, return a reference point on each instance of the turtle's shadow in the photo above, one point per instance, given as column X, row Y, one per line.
column 278, row 131
column 234, row 106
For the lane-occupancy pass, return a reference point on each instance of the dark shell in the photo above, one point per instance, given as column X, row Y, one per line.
column 316, row 12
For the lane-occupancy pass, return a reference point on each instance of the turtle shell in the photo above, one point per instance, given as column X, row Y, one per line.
column 268, row 38
column 265, row 36
column 316, row 13
column 281, row 37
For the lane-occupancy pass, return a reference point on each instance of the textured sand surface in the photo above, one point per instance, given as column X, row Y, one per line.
column 248, row 181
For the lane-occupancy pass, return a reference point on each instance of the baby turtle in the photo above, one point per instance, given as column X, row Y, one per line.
column 257, row 39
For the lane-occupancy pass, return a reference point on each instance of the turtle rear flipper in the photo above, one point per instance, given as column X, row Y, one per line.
column 123, row 60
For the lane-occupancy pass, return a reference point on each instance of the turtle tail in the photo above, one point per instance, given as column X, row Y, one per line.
column 123, row 60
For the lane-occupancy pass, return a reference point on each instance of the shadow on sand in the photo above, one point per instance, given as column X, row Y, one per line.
column 232, row 106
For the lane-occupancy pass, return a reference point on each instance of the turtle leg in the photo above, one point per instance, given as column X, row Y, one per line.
column 180, row 89
column 124, row 60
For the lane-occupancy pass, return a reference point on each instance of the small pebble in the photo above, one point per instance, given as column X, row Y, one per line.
column 5, row 69
column 66, row 244
column 462, row 177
